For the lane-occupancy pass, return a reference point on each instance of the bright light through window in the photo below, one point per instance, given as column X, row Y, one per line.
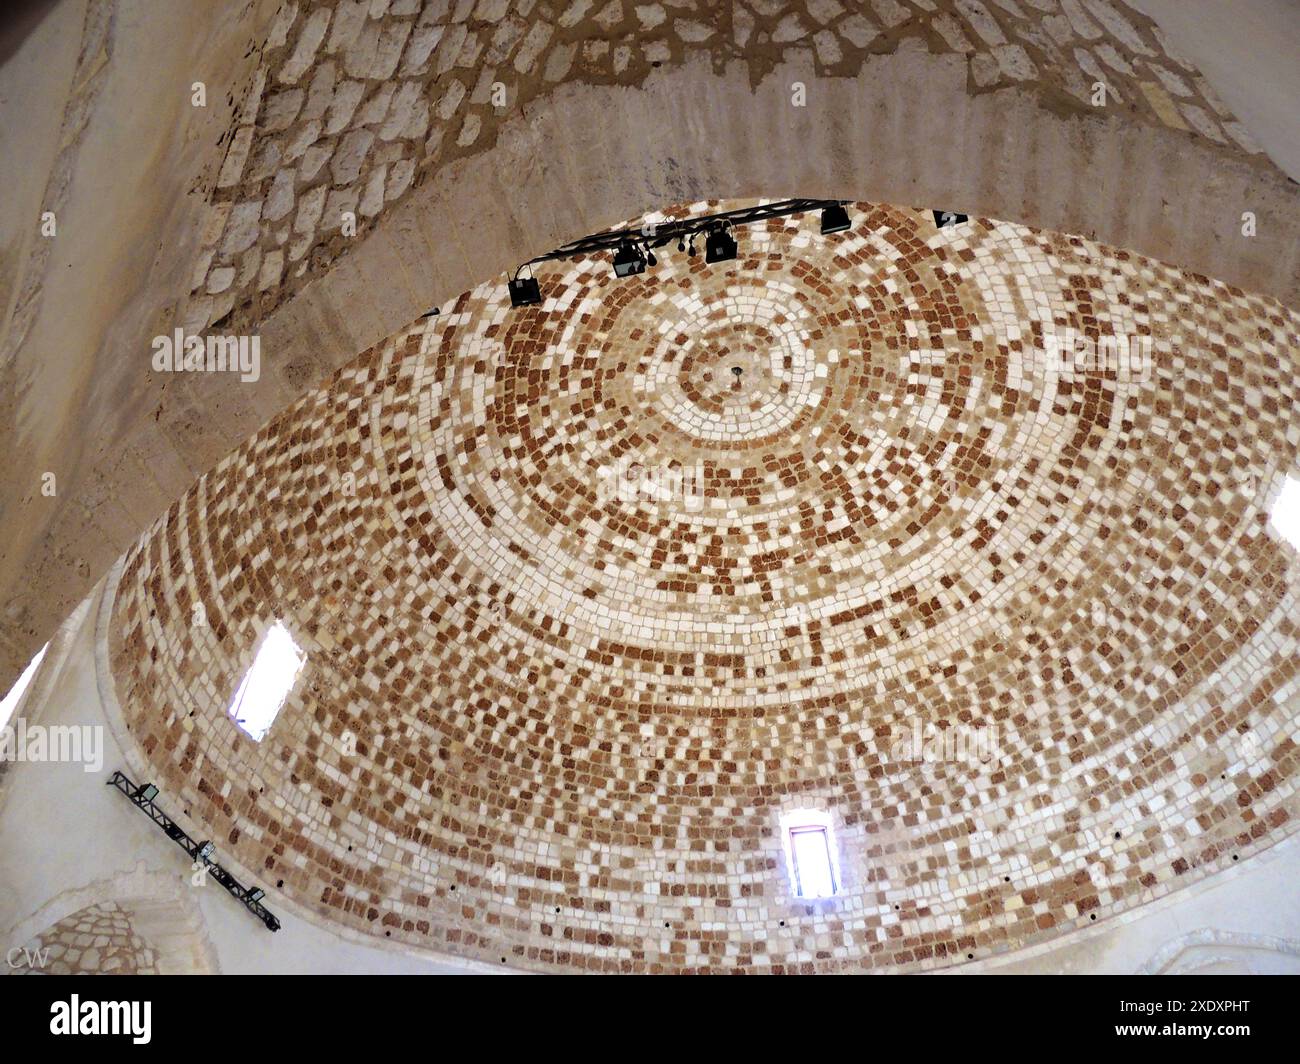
column 810, row 853
column 812, row 862
column 1285, row 514
column 15, row 694
column 268, row 683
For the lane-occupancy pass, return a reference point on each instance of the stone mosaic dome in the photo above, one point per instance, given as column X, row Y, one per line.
column 593, row 592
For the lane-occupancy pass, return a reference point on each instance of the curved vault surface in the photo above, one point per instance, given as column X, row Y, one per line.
column 586, row 611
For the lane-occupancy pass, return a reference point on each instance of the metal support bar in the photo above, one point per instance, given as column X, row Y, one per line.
column 177, row 834
column 680, row 228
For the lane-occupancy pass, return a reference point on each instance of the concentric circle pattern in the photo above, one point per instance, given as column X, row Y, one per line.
column 594, row 592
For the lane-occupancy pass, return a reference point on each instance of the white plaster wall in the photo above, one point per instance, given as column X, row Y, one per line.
column 63, row 834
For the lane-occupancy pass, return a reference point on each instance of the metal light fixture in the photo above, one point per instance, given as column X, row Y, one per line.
column 524, row 292
column 628, row 260
column 719, row 246
column 835, row 219
column 634, row 248
column 943, row 219
column 140, row 797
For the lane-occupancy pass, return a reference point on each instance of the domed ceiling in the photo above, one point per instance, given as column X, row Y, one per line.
column 593, row 592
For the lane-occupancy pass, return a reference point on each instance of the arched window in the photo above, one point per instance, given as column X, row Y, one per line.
column 1285, row 514
column 16, row 692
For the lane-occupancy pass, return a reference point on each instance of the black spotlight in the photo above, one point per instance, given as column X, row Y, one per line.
column 628, row 260
column 835, row 219
column 719, row 246
column 524, row 292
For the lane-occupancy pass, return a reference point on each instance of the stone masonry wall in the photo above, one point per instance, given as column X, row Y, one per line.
column 356, row 101
column 98, row 940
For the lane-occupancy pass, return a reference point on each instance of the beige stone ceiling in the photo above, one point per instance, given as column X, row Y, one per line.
column 561, row 687
column 610, row 109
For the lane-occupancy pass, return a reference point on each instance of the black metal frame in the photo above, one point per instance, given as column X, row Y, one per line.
column 177, row 834
column 680, row 229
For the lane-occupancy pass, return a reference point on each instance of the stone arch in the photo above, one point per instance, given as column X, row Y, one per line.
column 904, row 131
column 1208, row 951
column 101, row 939
column 161, row 914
